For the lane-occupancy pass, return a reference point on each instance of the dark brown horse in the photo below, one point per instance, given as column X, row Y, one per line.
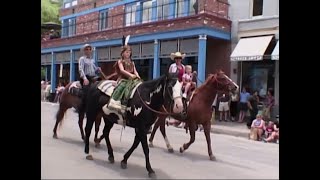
column 69, row 100
column 199, row 110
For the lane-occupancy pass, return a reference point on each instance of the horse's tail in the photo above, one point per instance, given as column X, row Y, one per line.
column 63, row 105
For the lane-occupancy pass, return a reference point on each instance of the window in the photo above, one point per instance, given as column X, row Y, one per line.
column 69, row 3
column 68, row 27
column 103, row 20
column 257, row 7
column 180, row 8
column 163, row 9
column 72, row 26
column 193, row 7
column 130, row 14
column 147, row 11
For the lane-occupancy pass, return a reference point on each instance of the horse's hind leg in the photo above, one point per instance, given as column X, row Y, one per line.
column 80, row 122
column 192, row 129
column 106, row 131
column 60, row 114
column 154, row 130
column 163, row 132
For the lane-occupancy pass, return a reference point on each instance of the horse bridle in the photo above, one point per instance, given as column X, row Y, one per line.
column 171, row 101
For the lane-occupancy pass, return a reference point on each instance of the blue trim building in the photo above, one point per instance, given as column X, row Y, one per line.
column 157, row 28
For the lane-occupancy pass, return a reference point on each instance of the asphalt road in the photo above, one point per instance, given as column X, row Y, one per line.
column 237, row 158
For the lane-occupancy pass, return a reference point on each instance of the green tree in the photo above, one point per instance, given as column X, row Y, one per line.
column 49, row 11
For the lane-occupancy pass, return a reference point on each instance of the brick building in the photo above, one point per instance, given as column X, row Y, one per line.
column 199, row 28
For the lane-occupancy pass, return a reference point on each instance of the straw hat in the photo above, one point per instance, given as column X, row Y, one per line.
column 177, row 54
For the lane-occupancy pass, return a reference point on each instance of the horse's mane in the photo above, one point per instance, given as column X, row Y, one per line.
column 204, row 84
column 153, row 83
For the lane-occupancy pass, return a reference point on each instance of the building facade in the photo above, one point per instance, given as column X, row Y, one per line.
column 199, row 28
column 255, row 45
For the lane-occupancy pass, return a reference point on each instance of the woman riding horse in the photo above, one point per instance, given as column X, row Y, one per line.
column 199, row 110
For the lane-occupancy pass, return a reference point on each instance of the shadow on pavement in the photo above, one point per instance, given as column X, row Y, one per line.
column 132, row 171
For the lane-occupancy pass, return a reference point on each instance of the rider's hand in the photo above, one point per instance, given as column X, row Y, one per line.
column 99, row 69
column 133, row 77
column 86, row 82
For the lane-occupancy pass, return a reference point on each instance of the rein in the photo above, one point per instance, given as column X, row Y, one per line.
column 155, row 111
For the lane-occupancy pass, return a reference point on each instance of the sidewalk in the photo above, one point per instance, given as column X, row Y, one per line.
column 230, row 128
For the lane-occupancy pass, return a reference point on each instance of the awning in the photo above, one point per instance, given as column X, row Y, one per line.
column 275, row 53
column 251, row 49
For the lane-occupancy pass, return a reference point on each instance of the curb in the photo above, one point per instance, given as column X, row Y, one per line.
column 229, row 132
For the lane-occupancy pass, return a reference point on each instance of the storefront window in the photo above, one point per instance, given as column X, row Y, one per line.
column 258, row 76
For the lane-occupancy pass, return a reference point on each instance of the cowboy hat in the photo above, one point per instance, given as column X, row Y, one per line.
column 177, row 54
column 86, row 45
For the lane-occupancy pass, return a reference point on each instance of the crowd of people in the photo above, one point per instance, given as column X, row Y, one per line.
column 231, row 106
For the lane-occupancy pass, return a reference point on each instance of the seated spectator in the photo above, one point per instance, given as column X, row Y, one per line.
column 274, row 136
column 256, row 130
column 269, row 129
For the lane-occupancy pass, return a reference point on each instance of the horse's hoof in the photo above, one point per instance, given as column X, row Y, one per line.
column 170, row 150
column 111, row 159
column 152, row 175
column 213, row 158
column 181, row 149
column 89, row 157
column 151, row 144
column 55, row 136
column 123, row 165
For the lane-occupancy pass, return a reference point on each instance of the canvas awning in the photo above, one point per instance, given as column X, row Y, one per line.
column 251, row 49
column 275, row 53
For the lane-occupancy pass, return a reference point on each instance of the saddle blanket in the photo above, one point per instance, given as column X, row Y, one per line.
column 107, row 87
column 75, row 84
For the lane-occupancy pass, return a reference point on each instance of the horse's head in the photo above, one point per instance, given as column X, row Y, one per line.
column 172, row 92
column 222, row 82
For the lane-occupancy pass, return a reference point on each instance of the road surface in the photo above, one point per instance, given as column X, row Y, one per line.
column 237, row 158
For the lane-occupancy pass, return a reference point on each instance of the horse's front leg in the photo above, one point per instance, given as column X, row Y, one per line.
column 163, row 132
column 143, row 138
column 90, row 120
column 97, row 126
column 207, row 128
column 128, row 154
column 106, row 131
column 192, row 130
column 80, row 123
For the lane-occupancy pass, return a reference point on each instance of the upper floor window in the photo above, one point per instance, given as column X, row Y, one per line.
column 147, row 11
column 130, row 16
column 193, row 7
column 257, row 7
column 103, row 19
column 69, row 3
column 69, row 27
column 163, row 9
column 180, row 8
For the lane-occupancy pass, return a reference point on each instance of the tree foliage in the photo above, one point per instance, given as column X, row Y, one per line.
column 49, row 11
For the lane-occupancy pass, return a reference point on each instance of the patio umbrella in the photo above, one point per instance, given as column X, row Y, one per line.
column 51, row 25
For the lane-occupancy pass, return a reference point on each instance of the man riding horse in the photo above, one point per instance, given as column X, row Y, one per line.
column 87, row 70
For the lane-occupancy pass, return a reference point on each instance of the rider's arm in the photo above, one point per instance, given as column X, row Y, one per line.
column 135, row 71
column 96, row 69
column 81, row 68
column 123, row 71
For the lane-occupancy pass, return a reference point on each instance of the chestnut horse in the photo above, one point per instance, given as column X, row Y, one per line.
column 68, row 101
column 200, row 101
